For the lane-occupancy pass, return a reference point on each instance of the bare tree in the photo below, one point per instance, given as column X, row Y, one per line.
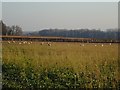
column 3, row 30
column 16, row 30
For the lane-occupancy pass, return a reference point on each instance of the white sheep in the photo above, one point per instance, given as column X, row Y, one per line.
column 49, row 44
column 83, row 45
column 8, row 42
column 24, row 42
column 102, row 45
column 20, row 43
column 28, row 42
column 13, row 41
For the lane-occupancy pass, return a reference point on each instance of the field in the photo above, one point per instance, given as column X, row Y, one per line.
column 60, row 65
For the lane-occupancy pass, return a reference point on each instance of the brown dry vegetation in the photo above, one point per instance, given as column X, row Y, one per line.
column 98, row 64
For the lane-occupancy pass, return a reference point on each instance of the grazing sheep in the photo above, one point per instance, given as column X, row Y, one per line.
column 8, row 42
column 83, row 45
column 49, row 44
column 95, row 45
column 102, row 45
column 13, row 41
column 28, row 42
column 24, row 42
column 110, row 43
column 20, row 43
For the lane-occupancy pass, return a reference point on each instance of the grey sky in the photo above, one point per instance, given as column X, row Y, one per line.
column 0, row 10
column 60, row 0
column 40, row 15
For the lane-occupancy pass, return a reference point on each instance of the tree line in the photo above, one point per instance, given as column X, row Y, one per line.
column 80, row 33
column 113, row 34
column 10, row 30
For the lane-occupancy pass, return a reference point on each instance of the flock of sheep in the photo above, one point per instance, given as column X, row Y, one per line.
column 47, row 43
column 28, row 42
column 22, row 42
column 94, row 45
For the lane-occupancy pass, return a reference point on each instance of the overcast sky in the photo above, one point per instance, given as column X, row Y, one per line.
column 60, row 0
column 0, row 10
column 33, row 16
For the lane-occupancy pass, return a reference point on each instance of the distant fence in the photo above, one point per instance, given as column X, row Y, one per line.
column 56, row 39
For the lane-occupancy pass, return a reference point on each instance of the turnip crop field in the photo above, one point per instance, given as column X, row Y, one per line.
column 59, row 65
